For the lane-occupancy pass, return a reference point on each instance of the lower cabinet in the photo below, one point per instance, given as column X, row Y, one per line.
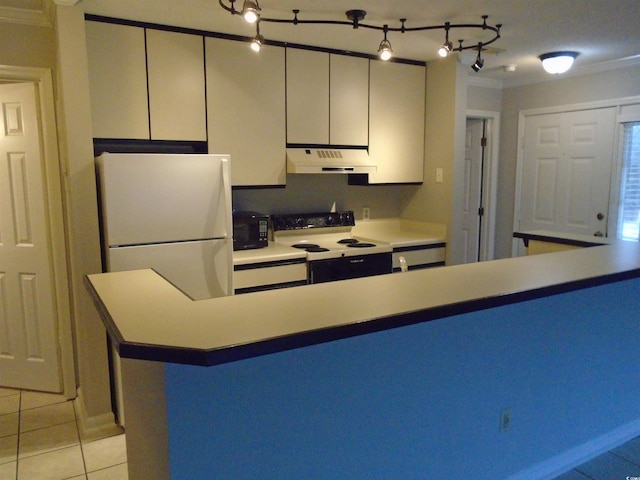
column 415, row 257
column 255, row 277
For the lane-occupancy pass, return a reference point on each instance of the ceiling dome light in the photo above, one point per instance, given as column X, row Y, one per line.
column 557, row 62
column 251, row 11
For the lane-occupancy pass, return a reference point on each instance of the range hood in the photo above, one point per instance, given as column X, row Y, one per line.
column 329, row 160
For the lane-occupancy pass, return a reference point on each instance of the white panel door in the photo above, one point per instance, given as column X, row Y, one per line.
column 472, row 189
column 566, row 174
column 28, row 321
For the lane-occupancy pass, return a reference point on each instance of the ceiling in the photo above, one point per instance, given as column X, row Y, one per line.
column 604, row 32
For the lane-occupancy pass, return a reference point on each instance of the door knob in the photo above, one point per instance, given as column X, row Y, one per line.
column 600, row 216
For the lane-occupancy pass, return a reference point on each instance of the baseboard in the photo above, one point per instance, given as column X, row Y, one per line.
column 96, row 426
column 559, row 464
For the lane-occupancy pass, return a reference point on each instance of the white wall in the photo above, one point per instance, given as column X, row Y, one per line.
column 562, row 91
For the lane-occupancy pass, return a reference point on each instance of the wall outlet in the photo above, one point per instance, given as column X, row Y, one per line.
column 505, row 420
column 366, row 213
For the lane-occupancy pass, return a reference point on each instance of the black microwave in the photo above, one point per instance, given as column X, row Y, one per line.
column 250, row 230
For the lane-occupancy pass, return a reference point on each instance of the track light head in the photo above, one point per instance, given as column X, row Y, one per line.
column 251, row 11
column 445, row 49
column 385, row 52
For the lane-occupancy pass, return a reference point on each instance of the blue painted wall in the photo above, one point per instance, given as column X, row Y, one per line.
column 419, row 402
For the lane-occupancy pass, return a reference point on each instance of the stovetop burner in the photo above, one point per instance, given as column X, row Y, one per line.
column 361, row 245
column 348, row 241
column 310, row 247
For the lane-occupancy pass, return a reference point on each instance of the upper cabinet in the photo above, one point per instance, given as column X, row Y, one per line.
column 246, row 105
column 177, row 105
column 397, row 122
column 327, row 98
column 122, row 63
column 117, row 80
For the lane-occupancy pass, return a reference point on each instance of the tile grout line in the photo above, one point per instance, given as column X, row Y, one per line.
column 84, row 462
column 19, row 427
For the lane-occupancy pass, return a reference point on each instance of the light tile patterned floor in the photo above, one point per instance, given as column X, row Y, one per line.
column 40, row 440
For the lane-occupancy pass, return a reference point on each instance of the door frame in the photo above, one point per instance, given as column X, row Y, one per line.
column 516, row 249
column 490, row 182
column 53, row 173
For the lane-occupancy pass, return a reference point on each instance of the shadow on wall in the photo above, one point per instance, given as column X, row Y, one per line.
column 317, row 193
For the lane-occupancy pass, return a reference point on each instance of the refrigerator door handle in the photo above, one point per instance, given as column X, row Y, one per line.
column 226, row 186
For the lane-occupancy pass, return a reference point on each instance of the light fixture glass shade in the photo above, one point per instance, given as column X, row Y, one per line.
column 257, row 42
column 557, row 62
column 445, row 49
column 384, row 51
column 251, row 11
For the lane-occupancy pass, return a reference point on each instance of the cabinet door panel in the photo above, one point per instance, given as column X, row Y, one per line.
column 397, row 116
column 349, row 100
column 307, row 97
column 117, row 81
column 246, row 110
column 176, row 86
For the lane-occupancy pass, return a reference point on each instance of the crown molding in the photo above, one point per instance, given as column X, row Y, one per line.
column 41, row 16
column 485, row 82
column 616, row 64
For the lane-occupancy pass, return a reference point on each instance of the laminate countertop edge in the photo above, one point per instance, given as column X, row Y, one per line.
column 149, row 319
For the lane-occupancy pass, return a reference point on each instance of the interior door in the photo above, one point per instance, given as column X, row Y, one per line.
column 471, row 207
column 29, row 355
column 566, row 172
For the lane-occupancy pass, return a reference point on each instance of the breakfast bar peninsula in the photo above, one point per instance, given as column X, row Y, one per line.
column 511, row 369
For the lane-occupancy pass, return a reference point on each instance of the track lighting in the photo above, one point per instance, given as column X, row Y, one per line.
column 557, row 62
column 479, row 63
column 258, row 40
column 354, row 18
column 251, row 11
column 384, row 50
column 446, row 47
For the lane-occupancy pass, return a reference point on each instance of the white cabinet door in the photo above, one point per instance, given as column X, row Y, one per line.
column 117, row 80
column 349, row 100
column 307, row 97
column 246, row 110
column 396, row 122
column 176, row 86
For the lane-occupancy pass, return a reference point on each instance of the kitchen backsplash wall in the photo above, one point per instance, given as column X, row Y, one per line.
column 317, row 193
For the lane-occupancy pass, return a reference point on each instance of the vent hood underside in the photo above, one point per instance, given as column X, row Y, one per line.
column 328, row 160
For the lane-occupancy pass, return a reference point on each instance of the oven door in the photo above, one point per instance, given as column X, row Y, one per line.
column 343, row 268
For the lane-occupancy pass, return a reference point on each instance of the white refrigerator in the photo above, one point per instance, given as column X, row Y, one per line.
column 171, row 213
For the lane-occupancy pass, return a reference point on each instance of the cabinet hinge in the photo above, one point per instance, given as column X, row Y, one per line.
column 483, row 142
column 481, row 212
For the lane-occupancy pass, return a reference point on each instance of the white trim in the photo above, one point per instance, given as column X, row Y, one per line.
column 488, row 232
column 613, row 102
column 52, row 173
column 562, row 463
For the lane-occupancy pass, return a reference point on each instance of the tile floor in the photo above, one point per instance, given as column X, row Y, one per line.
column 621, row 463
column 40, row 440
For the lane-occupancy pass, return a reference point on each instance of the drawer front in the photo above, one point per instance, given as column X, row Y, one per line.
column 254, row 278
column 420, row 258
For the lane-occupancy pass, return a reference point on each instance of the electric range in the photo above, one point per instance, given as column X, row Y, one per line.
column 333, row 253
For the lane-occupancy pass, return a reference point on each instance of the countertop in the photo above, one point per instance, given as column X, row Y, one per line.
column 401, row 233
column 398, row 233
column 274, row 252
column 147, row 318
column 563, row 238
